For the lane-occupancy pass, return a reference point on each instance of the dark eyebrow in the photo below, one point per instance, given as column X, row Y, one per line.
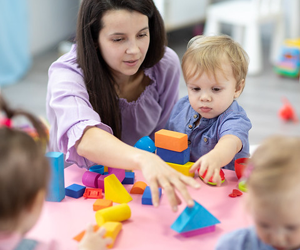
column 118, row 34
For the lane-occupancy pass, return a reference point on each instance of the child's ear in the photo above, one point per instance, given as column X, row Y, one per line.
column 239, row 89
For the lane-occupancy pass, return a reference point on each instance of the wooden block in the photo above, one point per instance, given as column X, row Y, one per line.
column 171, row 140
column 129, row 178
column 184, row 169
column 115, row 191
column 138, row 187
column 194, row 218
column 173, row 156
column 56, row 188
column 75, row 190
column 118, row 213
column 101, row 203
column 147, row 196
column 112, row 230
column 90, row 179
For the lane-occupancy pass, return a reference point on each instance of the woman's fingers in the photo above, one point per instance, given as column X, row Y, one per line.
column 169, row 191
column 154, row 191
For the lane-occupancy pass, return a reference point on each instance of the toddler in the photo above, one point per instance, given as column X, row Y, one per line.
column 273, row 198
column 214, row 69
column 24, row 175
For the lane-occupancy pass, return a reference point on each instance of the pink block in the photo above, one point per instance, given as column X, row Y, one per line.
column 199, row 231
column 119, row 173
column 89, row 179
column 100, row 181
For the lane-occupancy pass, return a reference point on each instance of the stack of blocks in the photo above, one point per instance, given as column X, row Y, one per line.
column 173, row 148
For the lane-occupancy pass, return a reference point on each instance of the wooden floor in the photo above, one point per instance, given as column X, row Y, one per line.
column 261, row 98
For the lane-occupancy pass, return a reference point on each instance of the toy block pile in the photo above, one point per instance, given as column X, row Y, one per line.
column 173, row 148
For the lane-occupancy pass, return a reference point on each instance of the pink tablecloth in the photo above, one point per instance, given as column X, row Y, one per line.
column 148, row 227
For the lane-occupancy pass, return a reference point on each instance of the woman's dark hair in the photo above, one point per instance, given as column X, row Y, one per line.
column 24, row 169
column 98, row 79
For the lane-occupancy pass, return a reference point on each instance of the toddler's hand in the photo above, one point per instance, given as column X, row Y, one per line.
column 212, row 164
column 94, row 240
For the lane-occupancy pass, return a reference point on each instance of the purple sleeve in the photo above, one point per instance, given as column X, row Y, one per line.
column 168, row 76
column 69, row 111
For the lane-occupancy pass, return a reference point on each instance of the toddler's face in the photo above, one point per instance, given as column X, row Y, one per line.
column 277, row 222
column 210, row 96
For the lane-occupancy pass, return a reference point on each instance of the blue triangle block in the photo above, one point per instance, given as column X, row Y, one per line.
column 193, row 218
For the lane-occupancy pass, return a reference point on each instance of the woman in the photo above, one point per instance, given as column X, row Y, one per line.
column 117, row 84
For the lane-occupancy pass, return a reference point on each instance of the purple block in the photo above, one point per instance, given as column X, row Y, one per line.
column 119, row 173
column 90, row 179
column 100, row 181
column 199, row 231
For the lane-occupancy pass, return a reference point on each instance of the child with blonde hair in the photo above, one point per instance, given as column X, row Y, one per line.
column 214, row 69
column 273, row 198
column 24, row 175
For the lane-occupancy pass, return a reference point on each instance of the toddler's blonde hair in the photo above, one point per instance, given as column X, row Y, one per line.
column 208, row 53
column 276, row 167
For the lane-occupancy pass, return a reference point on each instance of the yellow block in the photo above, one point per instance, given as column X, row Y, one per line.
column 115, row 191
column 118, row 213
column 171, row 140
column 184, row 169
column 112, row 230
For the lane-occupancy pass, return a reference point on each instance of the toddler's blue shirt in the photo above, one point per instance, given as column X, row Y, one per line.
column 205, row 136
column 242, row 239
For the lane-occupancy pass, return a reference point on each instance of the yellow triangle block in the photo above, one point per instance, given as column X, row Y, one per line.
column 184, row 169
column 112, row 230
column 115, row 191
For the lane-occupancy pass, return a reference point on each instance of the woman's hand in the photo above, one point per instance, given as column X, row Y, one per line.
column 158, row 174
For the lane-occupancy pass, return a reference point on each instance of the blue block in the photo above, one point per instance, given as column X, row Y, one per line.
column 56, row 188
column 129, row 178
column 194, row 218
column 147, row 197
column 75, row 190
column 173, row 156
column 97, row 169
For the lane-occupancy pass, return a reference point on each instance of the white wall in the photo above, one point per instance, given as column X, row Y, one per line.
column 51, row 21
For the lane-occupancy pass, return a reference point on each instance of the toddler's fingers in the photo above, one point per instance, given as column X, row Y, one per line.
column 202, row 169
column 108, row 240
column 194, row 167
column 216, row 177
column 208, row 175
column 89, row 229
column 101, row 231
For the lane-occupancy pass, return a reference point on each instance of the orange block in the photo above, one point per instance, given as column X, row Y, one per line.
column 171, row 140
column 101, row 203
column 138, row 187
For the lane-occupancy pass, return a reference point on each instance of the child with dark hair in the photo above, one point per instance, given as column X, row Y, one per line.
column 24, row 176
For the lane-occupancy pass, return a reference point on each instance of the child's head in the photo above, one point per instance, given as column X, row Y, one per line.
column 214, row 68
column 24, row 173
column 274, row 188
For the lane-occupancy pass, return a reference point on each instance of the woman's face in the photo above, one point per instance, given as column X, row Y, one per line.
column 124, row 41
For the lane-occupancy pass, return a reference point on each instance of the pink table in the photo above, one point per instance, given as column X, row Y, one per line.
column 148, row 227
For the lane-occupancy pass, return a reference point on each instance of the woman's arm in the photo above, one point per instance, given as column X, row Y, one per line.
column 103, row 148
